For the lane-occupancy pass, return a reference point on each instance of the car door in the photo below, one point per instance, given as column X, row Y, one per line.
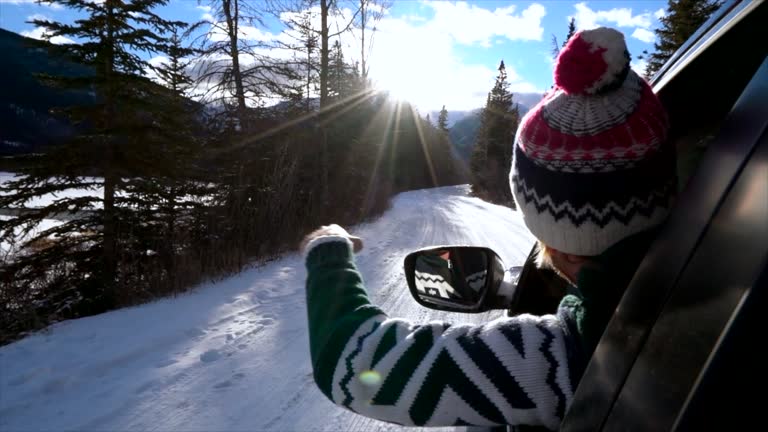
column 687, row 316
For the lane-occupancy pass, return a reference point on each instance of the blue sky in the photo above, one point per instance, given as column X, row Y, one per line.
column 439, row 53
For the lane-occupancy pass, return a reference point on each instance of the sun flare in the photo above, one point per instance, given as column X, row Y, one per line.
column 408, row 87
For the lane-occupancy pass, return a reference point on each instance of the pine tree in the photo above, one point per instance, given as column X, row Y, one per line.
column 115, row 141
column 442, row 120
column 171, row 191
column 571, row 30
column 556, row 45
column 173, row 74
column 344, row 80
column 492, row 152
column 683, row 18
column 309, row 44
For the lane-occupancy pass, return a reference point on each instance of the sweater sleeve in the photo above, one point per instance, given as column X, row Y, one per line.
column 509, row 371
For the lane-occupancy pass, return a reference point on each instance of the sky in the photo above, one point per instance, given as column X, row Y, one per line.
column 434, row 53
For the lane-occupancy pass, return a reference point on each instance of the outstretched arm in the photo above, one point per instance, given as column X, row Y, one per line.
column 508, row 371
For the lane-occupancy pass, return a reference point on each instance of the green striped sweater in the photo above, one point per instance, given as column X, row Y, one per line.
column 510, row 371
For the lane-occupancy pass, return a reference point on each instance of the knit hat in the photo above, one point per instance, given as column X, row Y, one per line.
column 591, row 164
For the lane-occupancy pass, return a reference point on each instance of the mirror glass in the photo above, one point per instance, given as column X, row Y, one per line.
column 455, row 277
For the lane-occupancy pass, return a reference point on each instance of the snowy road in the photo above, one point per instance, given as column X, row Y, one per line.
column 233, row 355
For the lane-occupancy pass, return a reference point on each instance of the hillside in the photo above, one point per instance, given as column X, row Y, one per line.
column 464, row 130
column 25, row 121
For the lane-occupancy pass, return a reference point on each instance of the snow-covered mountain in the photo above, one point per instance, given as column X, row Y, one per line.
column 233, row 355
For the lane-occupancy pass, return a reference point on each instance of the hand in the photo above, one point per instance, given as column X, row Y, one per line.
column 331, row 230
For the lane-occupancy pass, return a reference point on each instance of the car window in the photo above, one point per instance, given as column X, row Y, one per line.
column 700, row 95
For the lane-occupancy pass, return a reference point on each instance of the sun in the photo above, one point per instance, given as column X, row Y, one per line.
column 407, row 75
column 418, row 66
column 406, row 87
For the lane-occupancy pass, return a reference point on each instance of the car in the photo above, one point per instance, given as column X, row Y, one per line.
column 681, row 350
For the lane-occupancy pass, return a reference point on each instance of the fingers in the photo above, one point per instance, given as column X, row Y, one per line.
column 331, row 230
column 357, row 243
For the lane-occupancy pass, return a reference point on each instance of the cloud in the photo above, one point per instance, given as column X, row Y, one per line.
column 644, row 35
column 19, row 2
column 159, row 61
column 430, row 73
column 38, row 17
column 659, row 14
column 416, row 57
column 42, row 34
column 416, row 18
column 471, row 24
column 639, row 66
column 246, row 33
column 587, row 18
column 206, row 16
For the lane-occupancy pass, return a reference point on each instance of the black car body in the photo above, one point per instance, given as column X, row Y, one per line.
column 681, row 351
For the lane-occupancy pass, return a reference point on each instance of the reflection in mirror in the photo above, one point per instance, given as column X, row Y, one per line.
column 452, row 276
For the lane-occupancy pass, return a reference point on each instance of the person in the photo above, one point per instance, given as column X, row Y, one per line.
column 434, row 275
column 458, row 276
column 594, row 178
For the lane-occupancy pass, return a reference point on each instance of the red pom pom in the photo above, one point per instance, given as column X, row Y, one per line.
column 579, row 66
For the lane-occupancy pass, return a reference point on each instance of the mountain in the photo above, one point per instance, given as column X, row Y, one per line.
column 464, row 131
column 463, row 134
column 528, row 100
column 453, row 116
column 25, row 122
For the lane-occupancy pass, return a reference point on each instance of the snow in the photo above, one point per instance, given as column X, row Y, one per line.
column 233, row 355
column 48, row 199
column 6, row 248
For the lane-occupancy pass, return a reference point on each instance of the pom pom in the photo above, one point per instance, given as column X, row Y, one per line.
column 591, row 61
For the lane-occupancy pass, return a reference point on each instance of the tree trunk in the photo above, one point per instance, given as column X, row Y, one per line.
column 110, row 225
column 309, row 73
column 363, row 70
column 232, row 23
column 324, row 8
column 324, row 177
column 110, row 179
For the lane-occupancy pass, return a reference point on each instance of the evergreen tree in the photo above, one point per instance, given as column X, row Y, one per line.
column 116, row 140
column 442, row 120
column 556, row 45
column 492, row 153
column 571, row 30
column 683, row 18
column 171, row 190
column 308, row 39
column 344, row 80
column 173, row 74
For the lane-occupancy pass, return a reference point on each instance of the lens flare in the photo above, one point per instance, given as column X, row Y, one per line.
column 370, row 378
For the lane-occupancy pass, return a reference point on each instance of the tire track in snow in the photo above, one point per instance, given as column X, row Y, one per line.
column 234, row 355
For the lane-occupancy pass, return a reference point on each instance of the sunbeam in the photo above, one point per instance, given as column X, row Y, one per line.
column 424, row 147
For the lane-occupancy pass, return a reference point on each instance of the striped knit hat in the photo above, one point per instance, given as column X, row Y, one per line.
column 591, row 165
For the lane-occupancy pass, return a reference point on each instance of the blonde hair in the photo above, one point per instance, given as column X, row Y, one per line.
column 544, row 256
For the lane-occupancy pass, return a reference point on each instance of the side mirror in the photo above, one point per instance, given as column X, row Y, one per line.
column 464, row 279
column 472, row 279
